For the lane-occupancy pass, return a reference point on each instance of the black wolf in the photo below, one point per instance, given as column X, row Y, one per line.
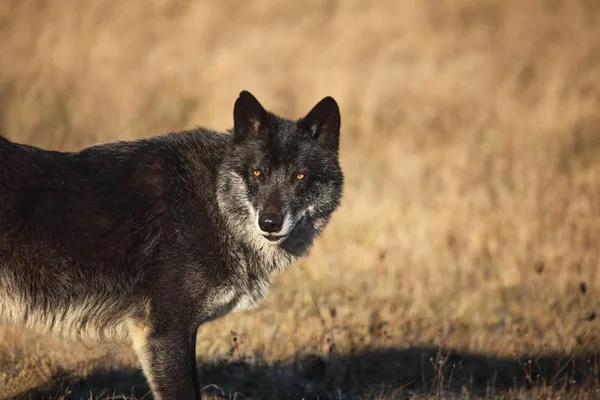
column 146, row 240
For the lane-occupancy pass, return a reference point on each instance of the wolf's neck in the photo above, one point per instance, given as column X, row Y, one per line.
column 255, row 253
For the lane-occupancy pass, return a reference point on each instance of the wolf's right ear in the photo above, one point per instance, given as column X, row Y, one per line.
column 248, row 116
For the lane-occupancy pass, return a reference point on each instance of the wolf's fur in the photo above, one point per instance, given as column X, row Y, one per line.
column 143, row 241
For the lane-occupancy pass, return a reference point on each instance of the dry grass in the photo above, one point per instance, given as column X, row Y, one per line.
column 470, row 229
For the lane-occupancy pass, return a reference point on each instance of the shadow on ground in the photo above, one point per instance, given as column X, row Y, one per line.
column 397, row 372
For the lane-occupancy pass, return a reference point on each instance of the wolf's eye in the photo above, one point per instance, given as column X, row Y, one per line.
column 300, row 176
column 256, row 172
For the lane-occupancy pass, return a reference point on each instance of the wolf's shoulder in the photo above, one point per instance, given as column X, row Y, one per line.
column 202, row 141
column 201, row 144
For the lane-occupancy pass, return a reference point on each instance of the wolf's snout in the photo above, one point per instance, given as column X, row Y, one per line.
column 270, row 222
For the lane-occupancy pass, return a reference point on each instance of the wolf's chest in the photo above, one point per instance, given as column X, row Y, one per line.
column 236, row 297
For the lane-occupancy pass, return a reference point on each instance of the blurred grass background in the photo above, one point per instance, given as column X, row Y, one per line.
column 471, row 146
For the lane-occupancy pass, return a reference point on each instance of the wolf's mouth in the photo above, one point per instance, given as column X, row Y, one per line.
column 281, row 238
column 273, row 239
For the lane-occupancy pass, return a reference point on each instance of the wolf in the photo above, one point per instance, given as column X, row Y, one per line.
column 143, row 241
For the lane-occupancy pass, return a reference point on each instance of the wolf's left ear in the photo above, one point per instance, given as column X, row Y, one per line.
column 248, row 116
column 323, row 121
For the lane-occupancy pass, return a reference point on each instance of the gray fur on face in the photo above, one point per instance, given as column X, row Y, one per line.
column 280, row 150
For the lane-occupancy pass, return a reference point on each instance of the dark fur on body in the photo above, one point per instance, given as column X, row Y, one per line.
column 145, row 240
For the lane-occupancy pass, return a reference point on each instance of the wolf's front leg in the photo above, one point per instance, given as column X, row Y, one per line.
column 194, row 367
column 165, row 357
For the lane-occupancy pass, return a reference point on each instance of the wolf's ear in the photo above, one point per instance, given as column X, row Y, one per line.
column 248, row 116
column 323, row 121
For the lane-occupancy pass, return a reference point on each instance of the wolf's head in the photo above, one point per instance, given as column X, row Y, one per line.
column 280, row 180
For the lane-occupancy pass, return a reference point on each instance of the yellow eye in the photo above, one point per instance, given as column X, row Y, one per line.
column 300, row 176
column 256, row 172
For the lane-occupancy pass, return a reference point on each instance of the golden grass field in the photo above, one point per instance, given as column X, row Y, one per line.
column 464, row 262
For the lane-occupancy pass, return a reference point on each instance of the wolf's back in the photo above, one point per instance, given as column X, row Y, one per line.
column 7, row 148
column 12, row 165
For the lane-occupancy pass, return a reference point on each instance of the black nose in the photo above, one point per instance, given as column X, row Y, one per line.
column 270, row 222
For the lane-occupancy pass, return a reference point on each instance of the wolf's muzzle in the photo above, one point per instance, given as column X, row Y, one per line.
column 270, row 222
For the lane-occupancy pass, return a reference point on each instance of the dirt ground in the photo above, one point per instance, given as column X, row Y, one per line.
column 464, row 262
